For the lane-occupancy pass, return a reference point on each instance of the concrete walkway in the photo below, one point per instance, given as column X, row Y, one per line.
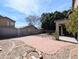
column 68, row 39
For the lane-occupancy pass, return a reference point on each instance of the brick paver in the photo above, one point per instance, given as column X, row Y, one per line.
column 19, row 48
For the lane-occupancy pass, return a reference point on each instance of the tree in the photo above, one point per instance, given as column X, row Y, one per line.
column 72, row 24
column 33, row 20
column 65, row 13
column 59, row 15
column 47, row 19
column 47, row 22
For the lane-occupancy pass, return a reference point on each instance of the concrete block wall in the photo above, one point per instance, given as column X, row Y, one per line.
column 28, row 31
column 14, row 32
column 8, row 32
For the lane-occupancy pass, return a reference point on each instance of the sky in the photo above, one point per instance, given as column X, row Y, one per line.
column 18, row 10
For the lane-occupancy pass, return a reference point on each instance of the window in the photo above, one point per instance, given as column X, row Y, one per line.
column 12, row 24
column 8, row 23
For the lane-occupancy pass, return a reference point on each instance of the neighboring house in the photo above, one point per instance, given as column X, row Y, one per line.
column 6, row 22
column 7, row 27
column 28, row 30
column 60, row 24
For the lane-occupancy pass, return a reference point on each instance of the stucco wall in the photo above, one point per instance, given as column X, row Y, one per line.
column 4, row 21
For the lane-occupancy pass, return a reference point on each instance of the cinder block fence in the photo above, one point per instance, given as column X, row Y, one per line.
column 8, row 32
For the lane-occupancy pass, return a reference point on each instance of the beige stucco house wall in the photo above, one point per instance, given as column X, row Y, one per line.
column 6, row 22
column 74, row 3
column 59, row 23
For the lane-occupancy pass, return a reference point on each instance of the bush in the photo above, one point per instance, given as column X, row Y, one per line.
column 56, row 35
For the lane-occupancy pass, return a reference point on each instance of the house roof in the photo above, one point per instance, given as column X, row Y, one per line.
column 29, row 27
column 61, row 21
column 7, row 18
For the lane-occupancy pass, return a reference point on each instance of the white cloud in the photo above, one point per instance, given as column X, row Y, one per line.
column 35, row 7
column 25, row 6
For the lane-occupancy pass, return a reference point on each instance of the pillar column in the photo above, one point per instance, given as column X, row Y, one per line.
column 57, row 31
column 61, row 30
